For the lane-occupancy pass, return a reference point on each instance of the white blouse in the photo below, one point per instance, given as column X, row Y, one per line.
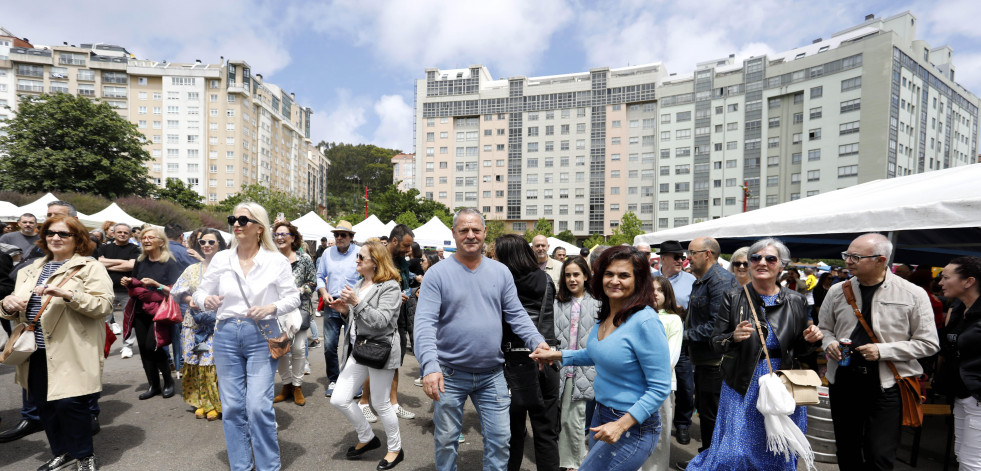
column 270, row 281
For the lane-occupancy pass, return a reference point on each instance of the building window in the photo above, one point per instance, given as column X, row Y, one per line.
column 817, row 92
column 852, row 83
column 851, row 105
column 814, row 134
column 813, row 175
column 848, row 171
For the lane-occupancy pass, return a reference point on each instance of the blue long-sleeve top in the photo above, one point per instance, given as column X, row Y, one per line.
column 633, row 365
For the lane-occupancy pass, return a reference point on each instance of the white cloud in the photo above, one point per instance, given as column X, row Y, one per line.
column 394, row 123
column 339, row 122
column 349, row 119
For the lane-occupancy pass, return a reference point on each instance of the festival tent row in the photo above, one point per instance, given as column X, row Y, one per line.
column 931, row 217
column 112, row 213
column 371, row 227
column 39, row 208
column 434, row 234
column 313, row 227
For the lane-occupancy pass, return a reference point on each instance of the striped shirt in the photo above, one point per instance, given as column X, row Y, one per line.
column 34, row 304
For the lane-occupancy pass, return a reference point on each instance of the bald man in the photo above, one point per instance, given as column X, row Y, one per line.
column 539, row 244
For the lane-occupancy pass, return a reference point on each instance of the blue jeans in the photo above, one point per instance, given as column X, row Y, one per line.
column 246, row 372
column 332, row 331
column 630, row 451
column 489, row 393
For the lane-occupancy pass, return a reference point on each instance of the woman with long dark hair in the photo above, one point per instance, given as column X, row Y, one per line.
column 537, row 293
column 629, row 348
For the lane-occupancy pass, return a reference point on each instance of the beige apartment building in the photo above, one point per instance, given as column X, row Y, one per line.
column 869, row 102
column 404, row 171
column 216, row 127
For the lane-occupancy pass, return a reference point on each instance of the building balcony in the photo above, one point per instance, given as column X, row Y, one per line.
column 30, row 88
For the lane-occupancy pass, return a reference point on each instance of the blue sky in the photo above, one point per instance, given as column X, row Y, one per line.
column 354, row 62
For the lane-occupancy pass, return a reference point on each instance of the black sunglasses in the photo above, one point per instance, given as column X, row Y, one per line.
column 62, row 234
column 361, row 258
column 207, row 242
column 740, row 264
column 756, row 258
column 241, row 220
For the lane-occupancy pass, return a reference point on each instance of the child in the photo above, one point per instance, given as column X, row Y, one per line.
column 670, row 314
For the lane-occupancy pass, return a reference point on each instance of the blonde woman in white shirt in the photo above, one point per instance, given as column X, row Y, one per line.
column 246, row 370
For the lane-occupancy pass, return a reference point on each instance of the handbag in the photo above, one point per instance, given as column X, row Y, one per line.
column 909, row 386
column 110, row 339
column 21, row 344
column 801, row 384
column 169, row 311
column 522, row 377
column 372, row 353
column 278, row 346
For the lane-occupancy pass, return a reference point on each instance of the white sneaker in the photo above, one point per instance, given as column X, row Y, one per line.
column 402, row 413
column 126, row 352
column 306, row 369
column 417, row 382
column 116, row 328
column 368, row 414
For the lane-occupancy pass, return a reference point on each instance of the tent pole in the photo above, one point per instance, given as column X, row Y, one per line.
column 894, row 239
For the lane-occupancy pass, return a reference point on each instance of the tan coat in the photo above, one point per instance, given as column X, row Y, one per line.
column 74, row 332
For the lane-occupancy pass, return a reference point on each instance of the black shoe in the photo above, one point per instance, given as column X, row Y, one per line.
column 168, row 390
column 23, row 429
column 95, row 425
column 683, row 437
column 150, row 392
column 354, row 453
column 682, row 465
column 383, row 464
column 59, row 462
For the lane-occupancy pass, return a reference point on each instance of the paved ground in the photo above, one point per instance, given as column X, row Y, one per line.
column 163, row 433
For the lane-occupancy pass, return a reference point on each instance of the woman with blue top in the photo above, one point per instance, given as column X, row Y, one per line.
column 629, row 349
column 739, row 439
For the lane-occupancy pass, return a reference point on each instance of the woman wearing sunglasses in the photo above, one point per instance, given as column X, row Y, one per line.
column 199, row 381
column 739, row 265
column 293, row 364
column 250, row 286
column 739, row 439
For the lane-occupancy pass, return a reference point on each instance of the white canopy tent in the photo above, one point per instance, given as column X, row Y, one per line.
column 313, row 227
column 112, row 213
column 570, row 249
column 39, row 208
column 371, row 227
column 9, row 211
column 931, row 217
column 434, row 234
column 389, row 226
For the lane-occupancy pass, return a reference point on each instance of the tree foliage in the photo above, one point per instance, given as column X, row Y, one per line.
column 630, row 227
column 594, row 240
column 494, row 229
column 181, row 194
column 352, row 167
column 274, row 201
column 566, row 236
column 390, row 203
column 542, row 227
column 409, row 219
column 67, row 143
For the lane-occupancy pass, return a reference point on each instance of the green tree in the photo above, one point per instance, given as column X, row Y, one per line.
column 630, row 227
column 274, row 201
column 181, row 194
column 409, row 219
column 390, row 203
column 542, row 227
column 566, row 236
column 494, row 229
column 64, row 142
column 594, row 240
column 352, row 167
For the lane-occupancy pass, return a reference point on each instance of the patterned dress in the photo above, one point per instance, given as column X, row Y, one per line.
column 199, row 382
column 739, row 439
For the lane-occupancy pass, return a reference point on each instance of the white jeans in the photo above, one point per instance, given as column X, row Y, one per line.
column 350, row 380
column 660, row 459
column 967, row 433
column 292, row 364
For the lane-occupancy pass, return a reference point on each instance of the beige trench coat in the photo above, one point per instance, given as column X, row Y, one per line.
column 74, row 332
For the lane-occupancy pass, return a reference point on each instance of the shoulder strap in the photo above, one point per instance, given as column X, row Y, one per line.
column 541, row 309
column 238, row 280
column 846, row 288
column 759, row 330
column 37, row 317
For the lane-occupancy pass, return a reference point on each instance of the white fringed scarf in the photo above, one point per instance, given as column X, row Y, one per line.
column 783, row 436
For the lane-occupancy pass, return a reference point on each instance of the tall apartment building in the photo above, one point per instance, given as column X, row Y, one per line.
column 404, row 171
column 870, row 102
column 216, row 127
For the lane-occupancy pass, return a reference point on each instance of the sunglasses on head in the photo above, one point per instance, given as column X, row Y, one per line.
column 207, row 242
column 740, row 264
column 756, row 258
column 62, row 234
column 241, row 220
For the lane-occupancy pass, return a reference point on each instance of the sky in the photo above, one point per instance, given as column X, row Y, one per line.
column 355, row 62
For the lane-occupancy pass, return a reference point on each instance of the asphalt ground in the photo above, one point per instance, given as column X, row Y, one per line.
column 163, row 434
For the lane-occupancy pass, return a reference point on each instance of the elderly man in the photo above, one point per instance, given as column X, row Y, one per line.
column 336, row 268
column 458, row 332
column 539, row 244
column 119, row 256
column 559, row 254
column 646, row 250
column 26, row 237
column 866, row 407
column 703, row 305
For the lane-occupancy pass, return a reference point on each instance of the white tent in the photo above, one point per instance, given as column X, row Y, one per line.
column 371, row 227
column 313, row 227
column 9, row 211
column 389, row 226
column 39, row 208
column 930, row 216
column 570, row 249
column 434, row 234
column 112, row 213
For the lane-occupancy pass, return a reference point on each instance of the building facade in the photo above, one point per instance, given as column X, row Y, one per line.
column 216, row 127
column 870, row 102
column 404, row 171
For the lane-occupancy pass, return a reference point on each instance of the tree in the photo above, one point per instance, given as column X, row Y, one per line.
column 181, row 194
column 67, row 143
column 542, row 227
column 566, row 236
column 409, row 219
column 390, row 203
column 629, row 228
column 494, row 229
column 273, row 201
column 352, row 167
column 594, row 240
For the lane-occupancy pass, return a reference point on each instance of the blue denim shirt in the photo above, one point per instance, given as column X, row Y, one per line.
column 703, row 306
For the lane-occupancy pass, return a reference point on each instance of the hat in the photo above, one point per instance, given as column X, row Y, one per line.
column 670, row 246
column 343, row 226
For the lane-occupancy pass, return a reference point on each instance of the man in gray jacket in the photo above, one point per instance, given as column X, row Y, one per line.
column 866, row 407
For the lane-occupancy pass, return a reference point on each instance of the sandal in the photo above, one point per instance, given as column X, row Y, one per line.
column 212, row 415
column 199, row 413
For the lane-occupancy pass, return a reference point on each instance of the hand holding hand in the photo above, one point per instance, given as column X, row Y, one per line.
column 813, row 334
column 743, row 331
column 432, row 385
column 544, row 355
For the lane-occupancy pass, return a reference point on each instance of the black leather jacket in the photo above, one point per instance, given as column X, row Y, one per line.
column 739, row 359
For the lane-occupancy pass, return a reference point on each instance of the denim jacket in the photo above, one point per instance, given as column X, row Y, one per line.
column 703, row 306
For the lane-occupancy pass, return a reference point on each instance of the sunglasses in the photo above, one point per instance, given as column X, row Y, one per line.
column 678, row 256
column 361, row 258
column 62, row 234
column 740, row 264
column 241, row 220
column 341, row 235
column 756, row 258
column 281, row 235
column 207, row 242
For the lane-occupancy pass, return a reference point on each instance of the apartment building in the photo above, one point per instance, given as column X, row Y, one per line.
column 870, row 102
column 404, row 171
column 216, row 127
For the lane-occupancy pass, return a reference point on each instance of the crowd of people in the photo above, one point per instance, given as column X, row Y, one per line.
column 603, row 352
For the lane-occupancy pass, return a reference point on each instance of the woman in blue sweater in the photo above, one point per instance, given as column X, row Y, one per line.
column 629, row 348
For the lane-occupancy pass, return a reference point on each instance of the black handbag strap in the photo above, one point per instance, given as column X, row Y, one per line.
column 238, row 281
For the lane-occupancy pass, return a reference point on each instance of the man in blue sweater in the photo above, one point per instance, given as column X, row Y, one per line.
column 458, row 333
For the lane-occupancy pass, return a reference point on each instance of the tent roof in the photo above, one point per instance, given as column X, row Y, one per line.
column 313, row 227
column 936, row 214
column 39, row 207
column 9, row 211
column 371, row 227
column 434, row 234
column 570, row 249
column 112, row 213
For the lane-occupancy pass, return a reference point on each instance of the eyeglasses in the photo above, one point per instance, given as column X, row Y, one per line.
column 341, row 235
column 678, row 256
column 281, row 235
column 756, row 258
column 207, row 242
column 62, row 234
column 241, row 220
column 740, row 264
column 361, row 258
column 693, row 252
column 854, row 257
